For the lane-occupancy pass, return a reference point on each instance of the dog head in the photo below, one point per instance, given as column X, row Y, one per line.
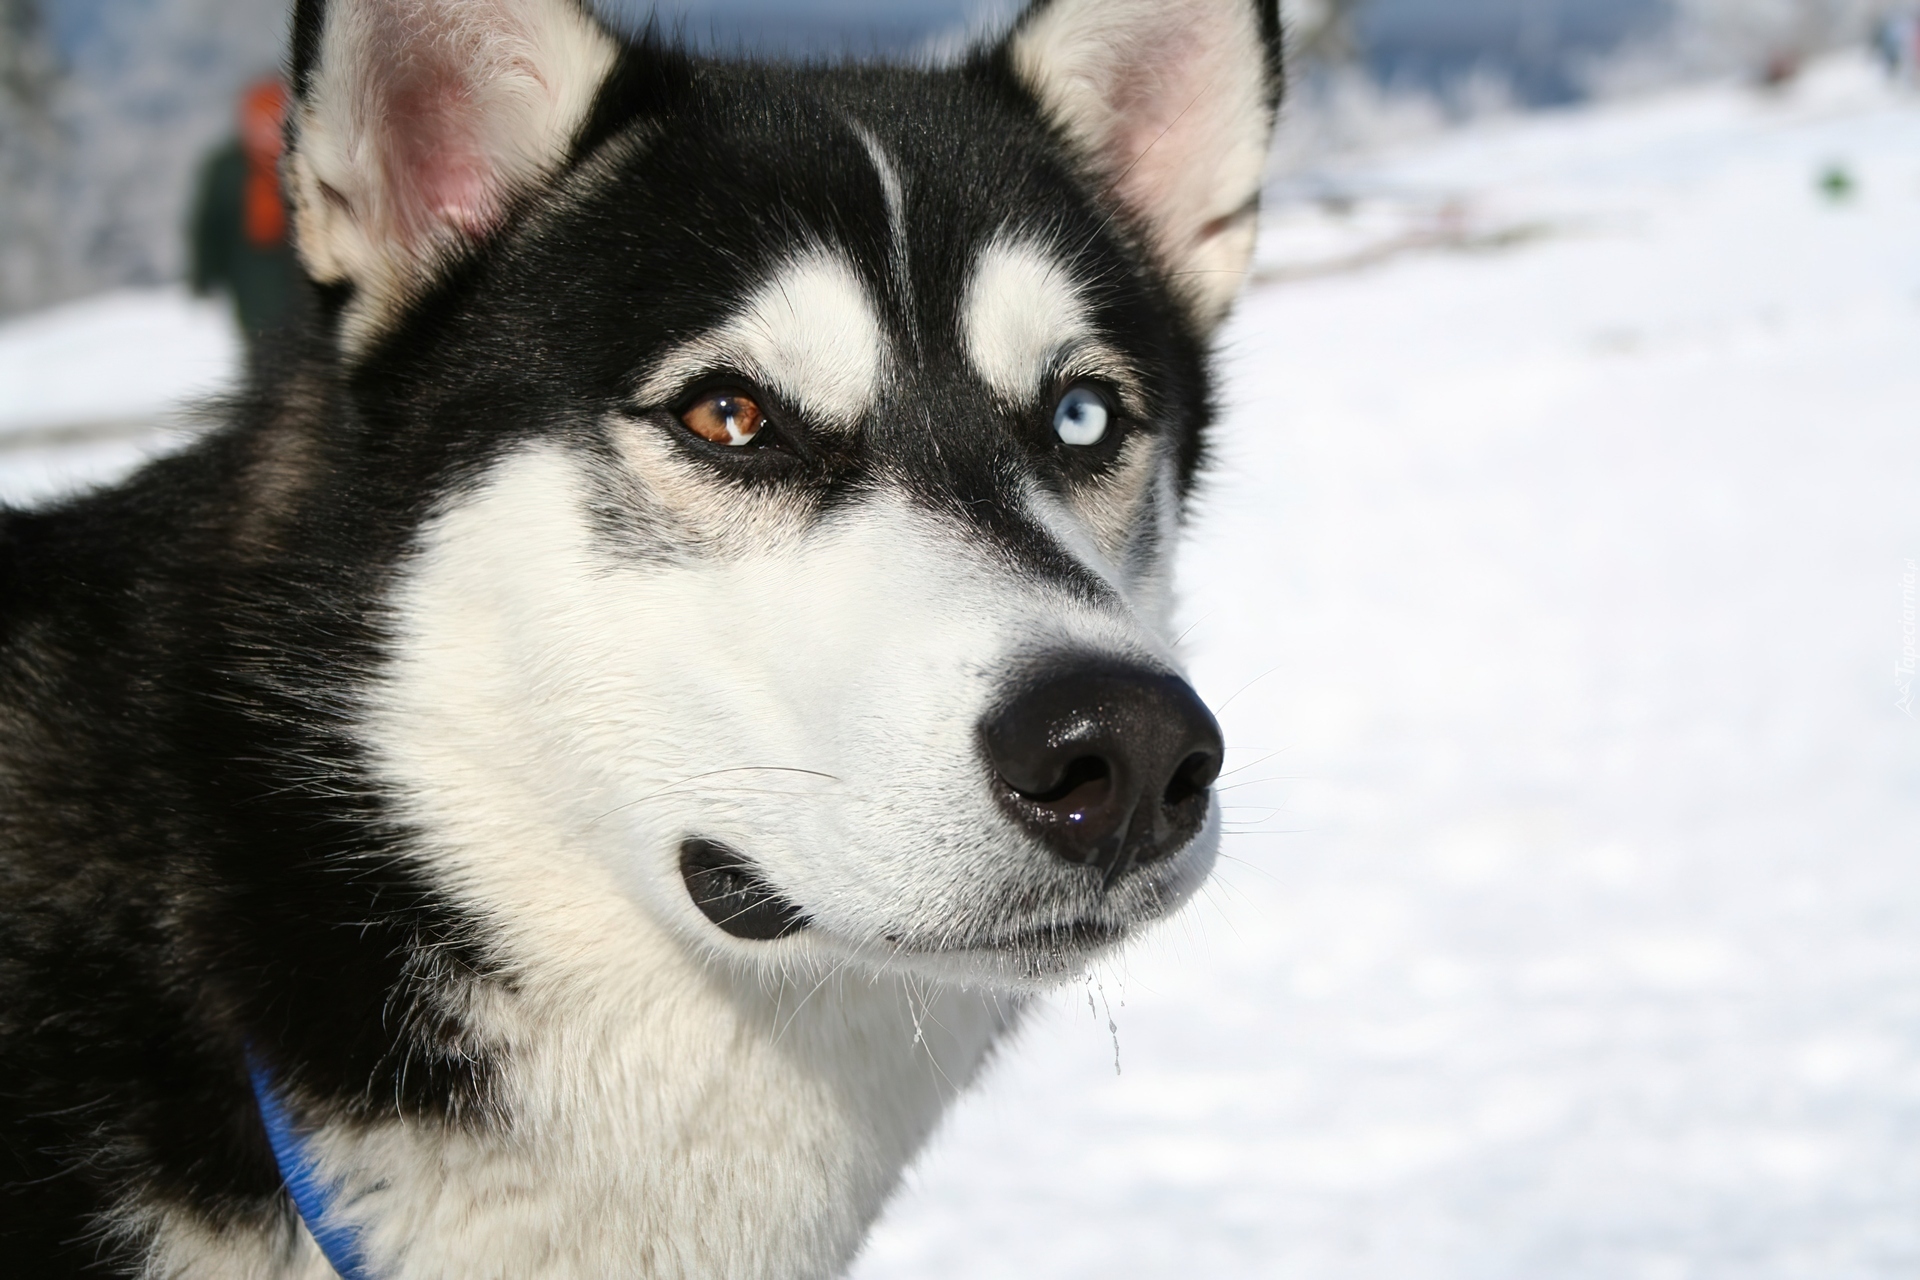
column 807, row 448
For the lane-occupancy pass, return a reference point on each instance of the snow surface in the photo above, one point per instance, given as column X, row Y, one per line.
column 1550, row 587
column 1552, row 596
column 90, row 389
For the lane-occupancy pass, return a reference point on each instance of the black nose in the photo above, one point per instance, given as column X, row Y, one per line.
column 1109, row 765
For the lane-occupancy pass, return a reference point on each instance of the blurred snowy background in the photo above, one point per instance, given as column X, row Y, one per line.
column 106, row 106
column 1554, row 585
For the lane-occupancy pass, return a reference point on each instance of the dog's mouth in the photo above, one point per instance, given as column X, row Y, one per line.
column 1069, row 937
column 729, row 891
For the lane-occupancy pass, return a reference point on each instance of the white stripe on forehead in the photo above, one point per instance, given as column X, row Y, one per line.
column 1022, row 312
column 810, row 333
column 895, row 192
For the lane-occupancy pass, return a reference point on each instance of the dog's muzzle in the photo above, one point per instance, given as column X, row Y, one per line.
column 1105, row 765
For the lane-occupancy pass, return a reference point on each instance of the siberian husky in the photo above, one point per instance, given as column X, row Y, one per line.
column 573, row 777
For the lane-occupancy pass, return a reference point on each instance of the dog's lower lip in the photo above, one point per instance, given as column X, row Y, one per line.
column 1077, row 935
column 729, row 891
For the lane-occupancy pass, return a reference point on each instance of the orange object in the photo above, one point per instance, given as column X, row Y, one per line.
column 263, row 113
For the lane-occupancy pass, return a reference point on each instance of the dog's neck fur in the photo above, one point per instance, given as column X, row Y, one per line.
column 706, row 1126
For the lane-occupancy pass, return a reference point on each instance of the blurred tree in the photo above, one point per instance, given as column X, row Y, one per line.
column 1322, row 31
column 1771, row 39
column 31, row 253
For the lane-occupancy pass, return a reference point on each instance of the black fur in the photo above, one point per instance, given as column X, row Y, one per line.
column 194, row 862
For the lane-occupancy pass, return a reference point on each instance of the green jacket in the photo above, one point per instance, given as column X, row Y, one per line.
column 261, row 280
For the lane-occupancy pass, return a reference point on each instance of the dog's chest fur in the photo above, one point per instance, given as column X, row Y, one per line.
column 660, row 1128
column 700, row 1136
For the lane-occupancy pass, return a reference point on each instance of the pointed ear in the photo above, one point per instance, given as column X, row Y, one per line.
column 416, row 123
column 1171, row 103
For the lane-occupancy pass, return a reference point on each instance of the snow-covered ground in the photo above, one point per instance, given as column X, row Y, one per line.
column 1550, row 585
column 1551, row 590
column 90, row 389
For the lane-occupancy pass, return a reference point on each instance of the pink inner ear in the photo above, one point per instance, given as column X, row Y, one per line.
column 1156, row 101
column 438, row 174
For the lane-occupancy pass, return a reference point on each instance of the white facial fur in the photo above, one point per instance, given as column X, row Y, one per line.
column 1024, row 321
column 895, row 192
column 813, row 704
column 810, row 333
column 1022, row 310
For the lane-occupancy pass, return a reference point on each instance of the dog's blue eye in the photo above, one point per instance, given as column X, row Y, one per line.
column 1081, row 417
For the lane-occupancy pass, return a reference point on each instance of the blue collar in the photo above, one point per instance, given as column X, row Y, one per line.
column 312, row 1195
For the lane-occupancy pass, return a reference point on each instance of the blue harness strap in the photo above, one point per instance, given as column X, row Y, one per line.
column 312, row 1195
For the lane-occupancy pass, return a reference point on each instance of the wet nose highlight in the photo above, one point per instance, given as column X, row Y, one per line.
column 1108, row 765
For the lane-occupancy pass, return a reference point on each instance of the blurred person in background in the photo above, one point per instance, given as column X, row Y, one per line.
column 239, row 230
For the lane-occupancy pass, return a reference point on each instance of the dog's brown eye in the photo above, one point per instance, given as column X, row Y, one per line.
column 724, row 417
